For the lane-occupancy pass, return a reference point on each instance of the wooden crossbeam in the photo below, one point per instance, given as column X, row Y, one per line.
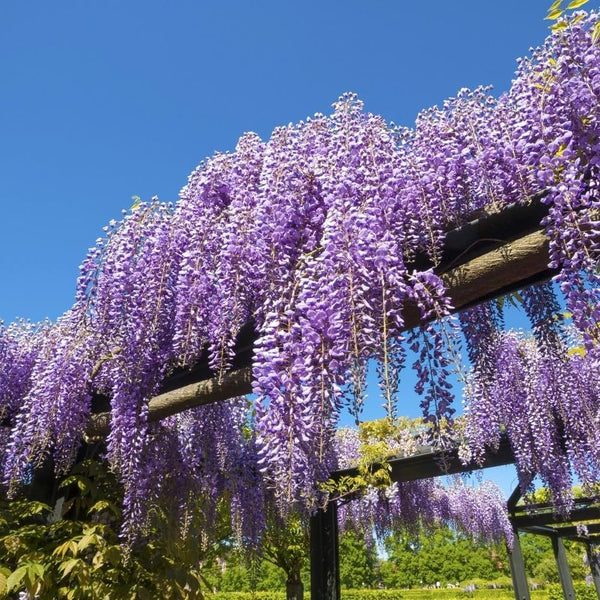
column 588, row 513
column 435, row 463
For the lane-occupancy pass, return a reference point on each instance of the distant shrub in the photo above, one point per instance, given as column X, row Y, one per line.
column 582, row 592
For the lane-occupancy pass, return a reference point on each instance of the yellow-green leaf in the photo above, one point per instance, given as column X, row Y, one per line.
column 100, row 506
column 554, row 14
column 112, row 554
column 15, row 578
column 68, row 546
column 576, row 4
column 69, row 565
column 596, row 32
column 559, row 26
column 88, row 540
column 35, row 569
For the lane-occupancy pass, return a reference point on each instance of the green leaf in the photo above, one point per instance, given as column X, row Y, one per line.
column 559, row 26
column 35, row 570
column 34, row 508
column 555, row 5
column 67, row 481
column 90, row 539
column 576, row 4
column 596, row 32
column 69, row 565
column 100, row 506
column 554, row 14
column 112, row 554
column 15, row 578
column 69, row 546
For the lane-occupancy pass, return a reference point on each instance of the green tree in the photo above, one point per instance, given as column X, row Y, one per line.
column 357, row 562
column 440, row 555
column 286, row 545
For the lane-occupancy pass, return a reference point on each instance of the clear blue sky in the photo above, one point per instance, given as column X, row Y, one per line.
column 101, row 101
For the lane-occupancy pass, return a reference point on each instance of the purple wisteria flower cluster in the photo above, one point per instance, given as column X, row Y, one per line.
column 311, row 236
column 547, row 404
column 480, row 512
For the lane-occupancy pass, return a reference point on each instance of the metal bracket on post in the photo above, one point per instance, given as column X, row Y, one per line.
column 563, row 568
column 324, row 558
column 517, row 569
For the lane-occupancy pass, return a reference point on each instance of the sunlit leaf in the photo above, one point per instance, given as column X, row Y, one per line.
column 596, row 32
column 576, row 4
column 69, row 546
column 15, row 578
column 69, row 565
column 553, row 15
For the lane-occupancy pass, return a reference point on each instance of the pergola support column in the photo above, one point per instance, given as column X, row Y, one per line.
column 517, row 569
column 593, row 557
column 324, row 558
column 563, row 568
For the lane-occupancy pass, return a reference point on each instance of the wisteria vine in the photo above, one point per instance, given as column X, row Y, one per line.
column 311, row 236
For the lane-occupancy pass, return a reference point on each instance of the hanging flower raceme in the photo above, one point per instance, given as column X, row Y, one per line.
column 479, row 512
column 320, row 238
column 549, row 409
column 56, row 401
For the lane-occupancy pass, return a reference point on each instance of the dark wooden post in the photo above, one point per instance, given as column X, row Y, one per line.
column 517, row 569
column 324, row 559
column 563, row 568
column 594, row 562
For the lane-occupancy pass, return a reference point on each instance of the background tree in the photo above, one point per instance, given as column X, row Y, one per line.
column 440, row 555
column 357, row 561
column 286, row 545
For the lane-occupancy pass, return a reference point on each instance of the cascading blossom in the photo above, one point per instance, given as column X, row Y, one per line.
column 548, row 406
column 479, row 512
column 313, row 237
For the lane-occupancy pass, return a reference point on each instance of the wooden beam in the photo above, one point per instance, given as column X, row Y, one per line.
column 435, row 463
column 524, row 521
column 206, row 391
column 324, row 554
column 564, row 573
column 592, row 550
column 508, row 266
column 517, row 569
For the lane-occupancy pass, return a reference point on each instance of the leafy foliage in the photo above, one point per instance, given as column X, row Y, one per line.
column 82, row 557
column 443, row 556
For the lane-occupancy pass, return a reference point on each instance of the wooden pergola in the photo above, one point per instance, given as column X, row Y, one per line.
column 324, row 559
column 541, row 519
column 483, row 259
